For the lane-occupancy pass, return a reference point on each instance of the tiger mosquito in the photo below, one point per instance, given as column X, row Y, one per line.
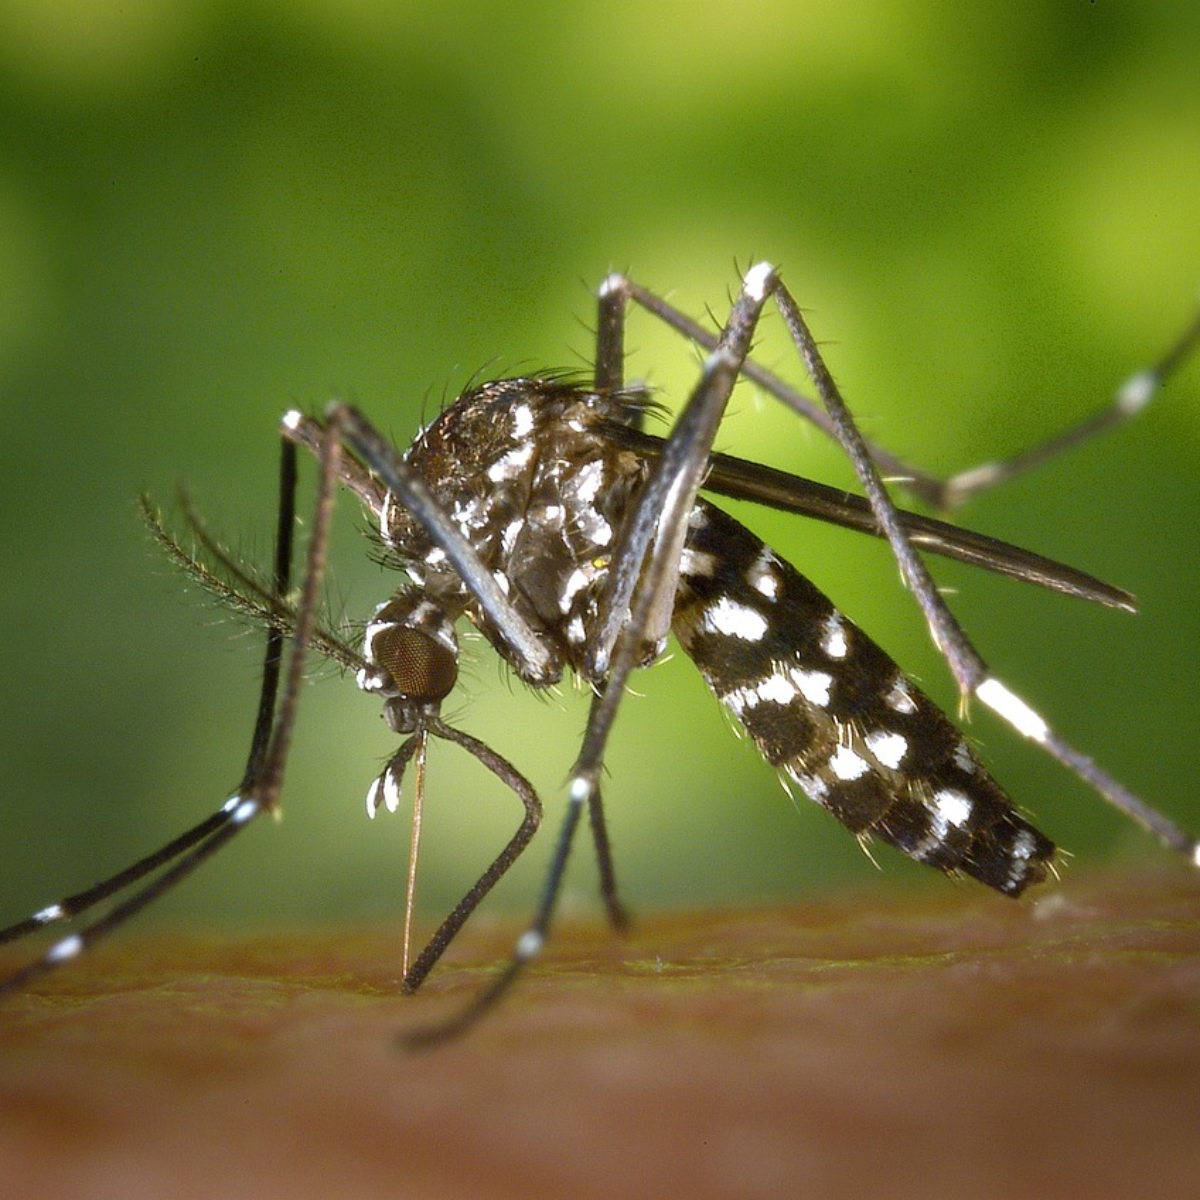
column 541, row 511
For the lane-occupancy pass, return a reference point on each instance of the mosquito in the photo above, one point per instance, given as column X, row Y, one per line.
column 539, row 509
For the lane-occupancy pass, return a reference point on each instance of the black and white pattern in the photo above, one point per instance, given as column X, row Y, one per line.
column 826, row 706
column 545, row 490
column 541, row 511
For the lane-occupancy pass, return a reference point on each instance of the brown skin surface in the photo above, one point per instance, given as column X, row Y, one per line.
column 959, row 1045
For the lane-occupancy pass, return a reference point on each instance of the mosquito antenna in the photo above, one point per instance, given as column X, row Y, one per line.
column 235, row 586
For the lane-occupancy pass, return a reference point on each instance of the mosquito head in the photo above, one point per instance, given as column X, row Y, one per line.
column 412, row 655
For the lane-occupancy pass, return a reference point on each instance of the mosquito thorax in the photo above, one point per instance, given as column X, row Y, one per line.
column 412, row 654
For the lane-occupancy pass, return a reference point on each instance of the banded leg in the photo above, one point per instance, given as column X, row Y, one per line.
column 944, row 494
column 262, row 778
column 968, row 668
column 970, row 671
column 516, row 783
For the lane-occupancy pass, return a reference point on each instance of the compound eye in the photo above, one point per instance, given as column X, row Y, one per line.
column 422, row 668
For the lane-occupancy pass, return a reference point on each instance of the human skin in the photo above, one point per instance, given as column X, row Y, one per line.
column 950, row 1043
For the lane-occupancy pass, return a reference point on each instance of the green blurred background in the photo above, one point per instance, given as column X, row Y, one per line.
column 211, row 212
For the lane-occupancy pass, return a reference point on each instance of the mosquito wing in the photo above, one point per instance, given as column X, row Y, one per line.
column 744, row 480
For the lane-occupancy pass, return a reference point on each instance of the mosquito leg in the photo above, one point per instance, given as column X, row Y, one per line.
column 653, row 532
column 227, row 822
column 648, row 549
column 268, row 774
column 1129, row 399
column 72, row 906
column 199, row 843
column 618, row 914
column 652, row 540
column 970, row 672
column 811, row 410
column 529, row 944
column 310, row 433
column 515, row 782
column 612, row 305
column 610, row 334
column 943, row 494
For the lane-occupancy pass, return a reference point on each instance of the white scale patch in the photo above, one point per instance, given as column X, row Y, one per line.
column 735, row 620
column 758, row 280
column 1013, row 709
column 814, row 686
column 900, row 698
column 777, row 688
column 522, row 420
column 888, row 748
column 373, row 630
column 834, row 639
column 508, row 539
column 699, row 564
column 588, row 480
column 762, row 575
column 384, row 790
column 548, row 516
column 952, row 806
column 782, row 686
column 247, row 810
column 1023, row 845
column 591, row 525
column 1022, row 851
column 948, row 807
column 768, row 585
column 69, row 947
column 963, row 760
column 814, row 786
column 370, row 680
column 847, row 765
column 510, row 465
column 576, row 582
column 529, row 945
column 467, row 514
column 1136, row 392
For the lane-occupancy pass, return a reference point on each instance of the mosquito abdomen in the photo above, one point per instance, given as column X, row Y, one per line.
column 827, row 707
